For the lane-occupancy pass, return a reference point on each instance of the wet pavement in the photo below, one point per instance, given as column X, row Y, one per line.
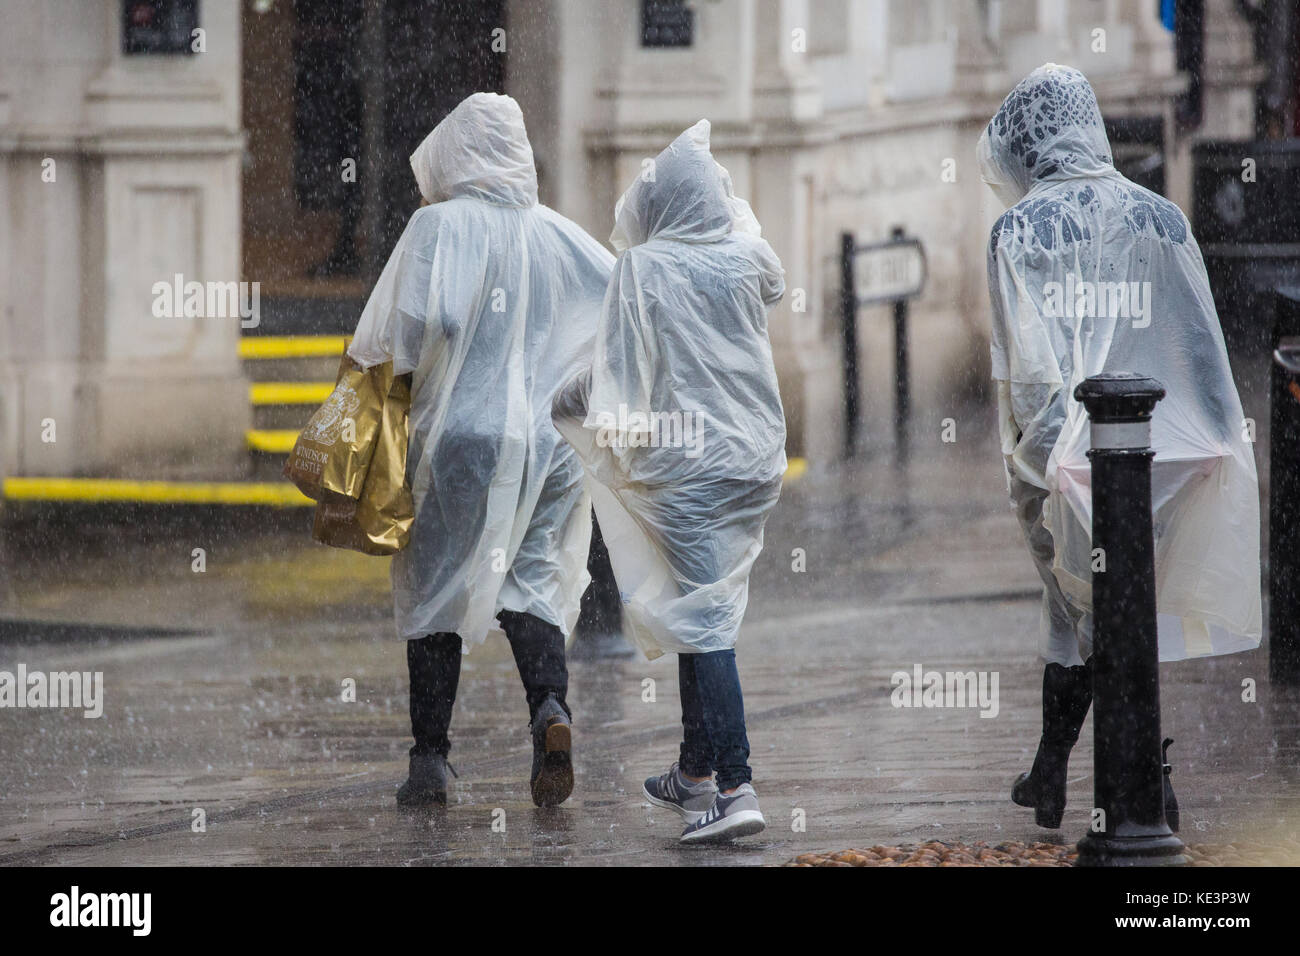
column 232, row 705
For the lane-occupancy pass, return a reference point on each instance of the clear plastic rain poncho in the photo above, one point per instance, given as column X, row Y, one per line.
column 680, row 422
column 491, row 301
column 1090, row 273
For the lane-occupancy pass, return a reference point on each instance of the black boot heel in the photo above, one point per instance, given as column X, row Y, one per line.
column 1024, row 792
column 1043, row 788
column 1049, row 818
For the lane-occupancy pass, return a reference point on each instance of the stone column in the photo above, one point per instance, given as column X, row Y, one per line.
column 141, row 156
column 785, row 176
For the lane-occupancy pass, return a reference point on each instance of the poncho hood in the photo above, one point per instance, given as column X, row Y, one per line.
column 1048, row 128
column 480, row 149
column 683, row 194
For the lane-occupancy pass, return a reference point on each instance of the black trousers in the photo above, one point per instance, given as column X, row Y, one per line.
column 434, row 666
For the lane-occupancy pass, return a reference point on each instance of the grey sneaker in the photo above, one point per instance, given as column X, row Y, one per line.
column 672, row 791
column 732, row 815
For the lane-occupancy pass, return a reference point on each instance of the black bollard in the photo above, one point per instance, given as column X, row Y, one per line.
column 1284, row 495
column 902, row 385
column 1128, row 771
column 849, row 331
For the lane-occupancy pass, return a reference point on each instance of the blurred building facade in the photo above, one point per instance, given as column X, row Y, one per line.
column 843, row 115
column 224, row 164
column 117, row 170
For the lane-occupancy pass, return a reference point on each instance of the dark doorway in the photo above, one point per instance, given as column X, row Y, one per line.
column 337, row 93
column 439, row 52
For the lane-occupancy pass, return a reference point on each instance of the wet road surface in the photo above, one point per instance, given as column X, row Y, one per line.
column 233, row 706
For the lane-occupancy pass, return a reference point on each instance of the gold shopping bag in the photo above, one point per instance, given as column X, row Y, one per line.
column 363, row 502
column 349, row 417
column 376, row 520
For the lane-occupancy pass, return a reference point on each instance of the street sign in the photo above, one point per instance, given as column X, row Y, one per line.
column 878, row 273
column 888, row 271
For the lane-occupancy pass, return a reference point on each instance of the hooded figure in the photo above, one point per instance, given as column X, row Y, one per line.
column 1090, row 273
column 680, row 426
column 683, row 430
column 490, row 300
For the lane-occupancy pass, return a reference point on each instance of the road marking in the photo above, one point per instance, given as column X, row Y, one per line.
column 278, row 494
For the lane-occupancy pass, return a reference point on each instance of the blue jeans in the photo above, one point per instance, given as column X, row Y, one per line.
column 713, row 718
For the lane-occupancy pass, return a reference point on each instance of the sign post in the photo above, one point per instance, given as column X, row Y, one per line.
column 893, row 271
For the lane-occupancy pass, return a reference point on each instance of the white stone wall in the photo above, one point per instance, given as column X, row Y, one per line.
column 146, row 153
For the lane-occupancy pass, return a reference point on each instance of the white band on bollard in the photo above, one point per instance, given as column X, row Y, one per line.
column 1121, row 434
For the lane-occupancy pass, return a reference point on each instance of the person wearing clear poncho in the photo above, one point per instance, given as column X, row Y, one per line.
column 680, row 426
column 1090, row 273
column 490, row 301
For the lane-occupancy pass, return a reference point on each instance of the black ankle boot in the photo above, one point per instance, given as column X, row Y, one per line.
column 1171, row 802
column 552, row 777
column 427, row 783
column 1043, row 788
column 1067, row 695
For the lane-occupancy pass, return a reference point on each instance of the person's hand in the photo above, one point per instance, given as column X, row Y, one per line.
column 571, row 400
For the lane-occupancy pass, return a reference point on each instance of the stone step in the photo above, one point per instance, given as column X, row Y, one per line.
column 291, row 376
column 281, row 417
column 304, row 369
column 266, row 467
column 292, row 358
column 286, row 405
